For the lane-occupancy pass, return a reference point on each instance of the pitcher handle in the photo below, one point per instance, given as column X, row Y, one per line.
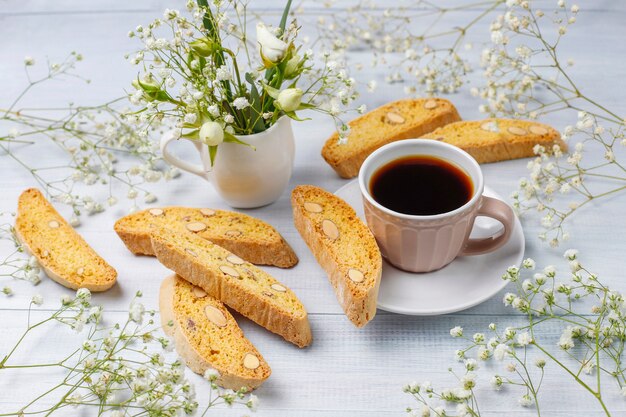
column 199, row 170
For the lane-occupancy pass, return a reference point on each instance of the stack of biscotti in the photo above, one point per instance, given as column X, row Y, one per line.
column 208, row 337
column 344, row 247
column 403, row 119
column 234, row 281
column 63, row 254
column 248, row 237
column 495, row 140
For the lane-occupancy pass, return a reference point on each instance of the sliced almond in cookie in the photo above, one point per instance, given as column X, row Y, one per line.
column 430, row 104
column 538, row 130
column 394, row 118
column 278, row 287
column 313, row 207
column 330, row 229
column 191, row 252
column 53, row 224
column 215, row 316
column 355, row 275
column 229, row 271
column 250, row 361
column 233, row 233
column 517, row 131
column 195, row 226
column 235, row 260
column 156, row 211
column 207, row 212
column 198, row 292
column 208, row 337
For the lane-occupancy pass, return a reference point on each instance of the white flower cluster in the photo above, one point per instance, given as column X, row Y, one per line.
column 120, row 368
column 103, row 146
column 211, row 87
column 592, row 322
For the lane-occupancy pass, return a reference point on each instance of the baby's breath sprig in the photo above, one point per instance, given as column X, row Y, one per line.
column 201, row 71
column 576, row 325
column 415, row 44
column 527, row 77
column 15, row 264
column 120, row 370
column 89, row 142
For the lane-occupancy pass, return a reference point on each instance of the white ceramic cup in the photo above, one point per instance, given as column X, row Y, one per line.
column 244, row 176
column 425, row 243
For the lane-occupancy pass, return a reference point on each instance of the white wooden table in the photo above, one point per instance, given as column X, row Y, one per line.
column 346, row 372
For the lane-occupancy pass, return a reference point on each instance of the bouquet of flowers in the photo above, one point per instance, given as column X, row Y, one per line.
column 213, row 83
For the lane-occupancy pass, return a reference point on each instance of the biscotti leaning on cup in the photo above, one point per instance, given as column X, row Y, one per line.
column 245, row 236
column 240, row 285
column 495, row 140
column 403, row 119
column 62, row 253
column 207, row 336
column 343, row 246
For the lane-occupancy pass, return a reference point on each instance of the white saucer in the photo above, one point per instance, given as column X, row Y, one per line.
column 464, row 283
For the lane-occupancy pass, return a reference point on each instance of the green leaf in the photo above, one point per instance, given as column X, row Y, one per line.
column 194, row 134
column 283, row 20
column 273, row 92
column 304, row 106
column 212, row 153
column 292, row 115
column 230, row 138
column 256, row 107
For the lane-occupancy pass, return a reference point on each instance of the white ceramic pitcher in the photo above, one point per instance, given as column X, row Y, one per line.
column 244, row 176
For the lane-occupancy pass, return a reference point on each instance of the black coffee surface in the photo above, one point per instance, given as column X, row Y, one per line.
column 421, row 185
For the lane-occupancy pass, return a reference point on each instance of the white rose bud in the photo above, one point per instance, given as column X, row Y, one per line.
column 211, row 133
column 272, row 48
column 289, row 99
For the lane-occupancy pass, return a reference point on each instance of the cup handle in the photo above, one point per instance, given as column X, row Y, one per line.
column 199, row 170
column 500, row 211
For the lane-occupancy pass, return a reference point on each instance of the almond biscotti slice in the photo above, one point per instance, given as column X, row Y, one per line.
column 63, row 254
column 344, row 246
column 403, row 119
column 494, row 140
column 237, row 283
column 248, row 237
column 207, row 336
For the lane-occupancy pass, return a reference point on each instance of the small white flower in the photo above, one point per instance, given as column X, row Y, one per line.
column 211, row 374
column 241, row 103
column 229, row 118
column 496, row 382
column 570, row 254
column 66, row 299
column 526, row 401
column 37, row 299
column 253, row 402
column 191, row 118
column 524, row 338
column 29, row 61
column 223, row 74
column 136, row 312
column 211, row 133
column 456, row 331
column 501, row 351
column 83, row 294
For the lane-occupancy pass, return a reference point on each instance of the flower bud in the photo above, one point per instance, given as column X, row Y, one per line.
column 203, row 47
column 211, row 133
column 289, row 99
column 272, row 48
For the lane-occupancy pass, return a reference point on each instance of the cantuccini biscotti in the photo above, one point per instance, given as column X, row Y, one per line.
column 403, row 119
column 494, row 140
column 343, row 246
column 63, row 254
column 247, row 237
column 208, row 337
column 237, row 283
